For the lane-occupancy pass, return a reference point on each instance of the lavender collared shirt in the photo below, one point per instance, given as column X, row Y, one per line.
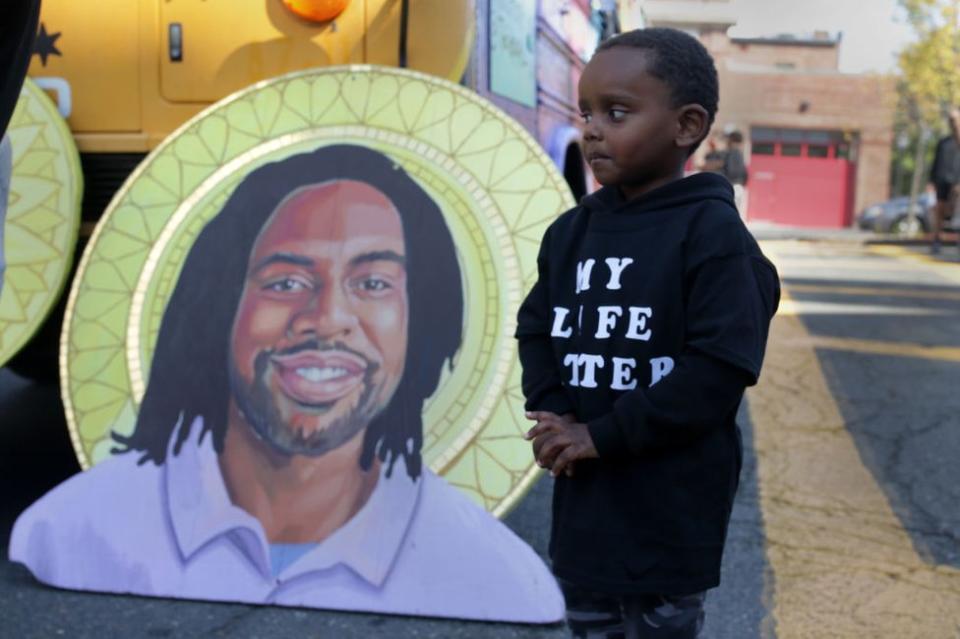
column 416, row 547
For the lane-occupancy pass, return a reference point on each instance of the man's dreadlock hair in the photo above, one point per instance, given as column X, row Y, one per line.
column 189, row 373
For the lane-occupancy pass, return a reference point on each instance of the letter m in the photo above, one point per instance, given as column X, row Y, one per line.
column 583, row 274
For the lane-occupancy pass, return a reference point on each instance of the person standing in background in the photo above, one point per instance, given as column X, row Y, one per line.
column 945, row 177
column 734, row 168
column 713, row 160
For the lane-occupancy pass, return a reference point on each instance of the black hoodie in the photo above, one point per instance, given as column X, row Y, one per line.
column 648, row 320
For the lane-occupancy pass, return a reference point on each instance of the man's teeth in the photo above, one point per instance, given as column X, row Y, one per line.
column 314, row 374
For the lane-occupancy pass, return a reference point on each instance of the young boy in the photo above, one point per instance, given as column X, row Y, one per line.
column 648, row 320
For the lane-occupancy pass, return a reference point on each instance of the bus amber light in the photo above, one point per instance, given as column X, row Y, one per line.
column 317, row 10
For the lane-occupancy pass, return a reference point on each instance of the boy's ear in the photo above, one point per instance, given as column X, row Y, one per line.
column 693, row 123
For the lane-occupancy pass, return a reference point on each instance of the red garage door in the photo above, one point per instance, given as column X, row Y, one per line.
column 801, row 177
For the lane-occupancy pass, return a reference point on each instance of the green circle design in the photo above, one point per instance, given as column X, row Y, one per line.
column 43, row 217
column 497, row 189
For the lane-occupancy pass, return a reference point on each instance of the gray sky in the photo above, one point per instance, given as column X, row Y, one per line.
column 873, row 30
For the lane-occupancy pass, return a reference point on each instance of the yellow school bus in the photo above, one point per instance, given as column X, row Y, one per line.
column 129, row 72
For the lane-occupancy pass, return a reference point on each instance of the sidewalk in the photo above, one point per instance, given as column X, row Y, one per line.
column 763, row 230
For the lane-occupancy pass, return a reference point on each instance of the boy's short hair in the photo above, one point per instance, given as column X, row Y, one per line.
column 681, row 62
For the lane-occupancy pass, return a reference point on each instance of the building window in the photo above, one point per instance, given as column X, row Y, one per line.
column 762, row 148
column 821, row 137
column 791, row 150
column 764, row 134
column 810, row 143
column 792, row 135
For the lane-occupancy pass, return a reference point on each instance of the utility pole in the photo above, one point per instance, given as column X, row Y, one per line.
column 919, row 170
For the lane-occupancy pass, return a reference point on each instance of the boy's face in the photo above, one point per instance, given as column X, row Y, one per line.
column 632, row 133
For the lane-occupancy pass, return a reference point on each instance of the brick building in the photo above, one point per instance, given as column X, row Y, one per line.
column 818, row 141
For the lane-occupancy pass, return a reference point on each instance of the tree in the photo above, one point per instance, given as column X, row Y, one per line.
column 931, row 64
column 930, row 68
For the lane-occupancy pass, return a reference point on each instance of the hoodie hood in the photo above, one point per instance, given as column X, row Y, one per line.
column 687, row 191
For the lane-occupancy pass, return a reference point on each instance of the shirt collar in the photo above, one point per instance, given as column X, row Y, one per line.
column 370, row 542
column 201, row 511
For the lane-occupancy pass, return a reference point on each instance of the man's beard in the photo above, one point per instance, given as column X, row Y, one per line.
column 257, row 406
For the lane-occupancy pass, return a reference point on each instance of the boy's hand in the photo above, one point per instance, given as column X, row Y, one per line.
column 558, row 441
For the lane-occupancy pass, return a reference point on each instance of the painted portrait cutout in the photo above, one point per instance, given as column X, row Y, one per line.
column 301, row 389
column 280, row 432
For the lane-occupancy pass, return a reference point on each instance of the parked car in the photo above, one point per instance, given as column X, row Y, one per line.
column 892, row 216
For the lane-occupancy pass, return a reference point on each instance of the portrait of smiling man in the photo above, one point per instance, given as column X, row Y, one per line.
column 276, row 453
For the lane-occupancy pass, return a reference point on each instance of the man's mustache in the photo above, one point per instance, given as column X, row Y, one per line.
column 318, row 345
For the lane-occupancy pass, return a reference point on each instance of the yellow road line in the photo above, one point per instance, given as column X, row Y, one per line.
column 812, row 307
column 843, row 565
column 878, row 347
column 875, row 291
column 947, row 269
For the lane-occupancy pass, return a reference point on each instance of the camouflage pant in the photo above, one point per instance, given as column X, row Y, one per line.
column 594, row 615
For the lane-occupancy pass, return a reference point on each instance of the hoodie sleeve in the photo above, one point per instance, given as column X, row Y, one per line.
column 541, row 381
column 732, row 296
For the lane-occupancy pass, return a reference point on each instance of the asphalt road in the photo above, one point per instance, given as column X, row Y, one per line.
column 902, row 409
column 857, row 436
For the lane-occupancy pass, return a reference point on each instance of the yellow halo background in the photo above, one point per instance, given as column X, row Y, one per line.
column 496, row 188
column 43, row 217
